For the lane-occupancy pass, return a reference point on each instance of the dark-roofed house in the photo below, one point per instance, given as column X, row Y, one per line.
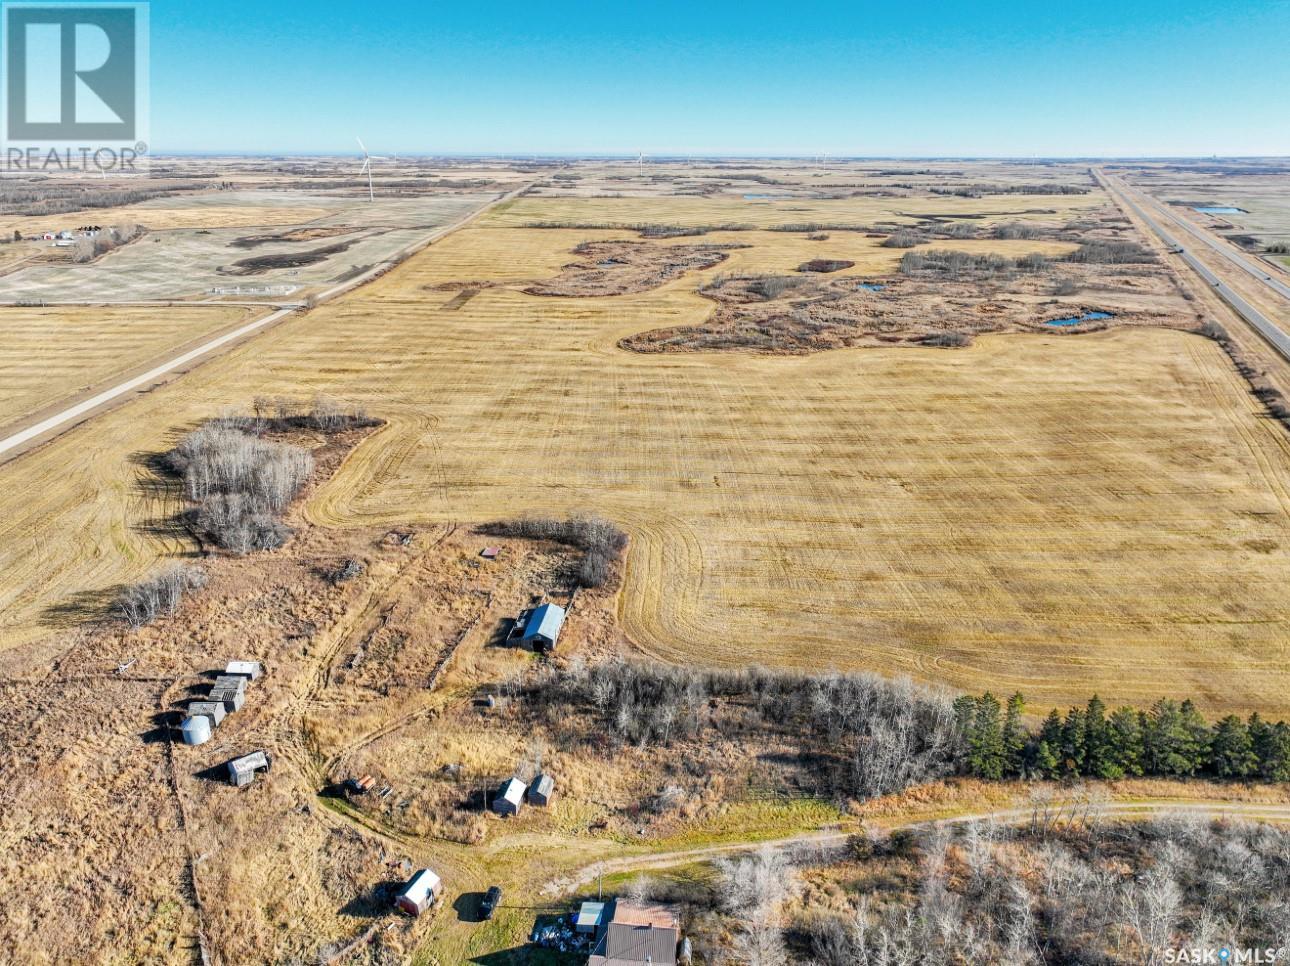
column 636, row 934
column 542, row 629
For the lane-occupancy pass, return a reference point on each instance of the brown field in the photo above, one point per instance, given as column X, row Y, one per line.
column 48, row 355
column 1052, row 513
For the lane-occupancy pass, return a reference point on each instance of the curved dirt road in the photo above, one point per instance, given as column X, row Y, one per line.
column 1253, row 811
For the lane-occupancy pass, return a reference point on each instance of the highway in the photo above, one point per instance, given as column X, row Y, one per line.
column 1253, row 266
column 1277, row 337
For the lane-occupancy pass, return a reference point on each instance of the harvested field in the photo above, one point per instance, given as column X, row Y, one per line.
column 624, row 268
column 1020, row 517
column 48, row 355
column 1055, row 514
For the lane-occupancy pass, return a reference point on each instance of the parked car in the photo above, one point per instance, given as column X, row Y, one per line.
column 488, row 905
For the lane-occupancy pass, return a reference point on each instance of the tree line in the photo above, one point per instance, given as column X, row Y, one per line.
column 1170, row 739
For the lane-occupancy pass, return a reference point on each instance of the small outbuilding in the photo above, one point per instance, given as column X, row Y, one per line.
column 247, row 670
column 509, row 798
column 591, row 916
column 360, row 785
column 230, row 691
column 214, row 710
column 196, row 730
column 422, row 891
column 542, row 790
column 542, row 629
column 242, row 771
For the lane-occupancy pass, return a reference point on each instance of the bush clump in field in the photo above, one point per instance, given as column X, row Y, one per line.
column 902, row 239
column 767, row 287
column 946, row 340
column 1016, row 229
column 600, row 541
column 1111, row 253
column 142, row 603
column 825, row 265
column 951, row 264
column 241, row 484
column 959, row 229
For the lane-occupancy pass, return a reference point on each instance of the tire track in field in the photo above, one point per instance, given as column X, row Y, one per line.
column 1225, row 403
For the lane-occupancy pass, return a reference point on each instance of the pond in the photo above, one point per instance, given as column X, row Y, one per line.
column 1220, row 210
column 871, row 286
column 1094, row 316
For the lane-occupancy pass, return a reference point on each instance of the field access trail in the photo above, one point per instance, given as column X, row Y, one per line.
column 1111, row 811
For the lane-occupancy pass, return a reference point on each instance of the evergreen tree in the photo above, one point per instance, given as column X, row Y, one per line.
column 964, row 713
column 1014, row 736
column 985, row 740
column 1099, row 758
column 1232, row 750
column 1199, row 736
column 1168, row 746
column 1073, row 751
column 1124, row 738
column 1049, row 746
column 1045, row 761
column 1271, row 745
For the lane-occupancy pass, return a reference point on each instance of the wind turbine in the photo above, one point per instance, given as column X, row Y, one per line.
column 367, row 167
column 640, row 162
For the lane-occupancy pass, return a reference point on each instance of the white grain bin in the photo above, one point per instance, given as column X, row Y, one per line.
column 196, row 730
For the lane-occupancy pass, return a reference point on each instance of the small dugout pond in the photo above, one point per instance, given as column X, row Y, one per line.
column 871, row 286
column 1220, row 210
column 1095, row 316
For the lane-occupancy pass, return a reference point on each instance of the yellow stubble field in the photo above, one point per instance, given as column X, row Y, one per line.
column 50, row 354
column 1057, row 514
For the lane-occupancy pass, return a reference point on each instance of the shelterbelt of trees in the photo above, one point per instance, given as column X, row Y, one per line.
column 1169, row 739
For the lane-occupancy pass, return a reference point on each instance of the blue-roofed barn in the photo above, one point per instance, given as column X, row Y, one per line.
column 542, row 629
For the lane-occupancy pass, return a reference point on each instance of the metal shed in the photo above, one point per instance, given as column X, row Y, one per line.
column 509, row 798
column 214, row 710
column 249, row 670
column 541, row 791
column 231, row 692
column 542, row 629
column 591, row 916
column 196, row 730
column 242, row 771
column 421, row 892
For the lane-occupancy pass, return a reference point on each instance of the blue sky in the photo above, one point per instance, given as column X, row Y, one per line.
column 899, row 78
